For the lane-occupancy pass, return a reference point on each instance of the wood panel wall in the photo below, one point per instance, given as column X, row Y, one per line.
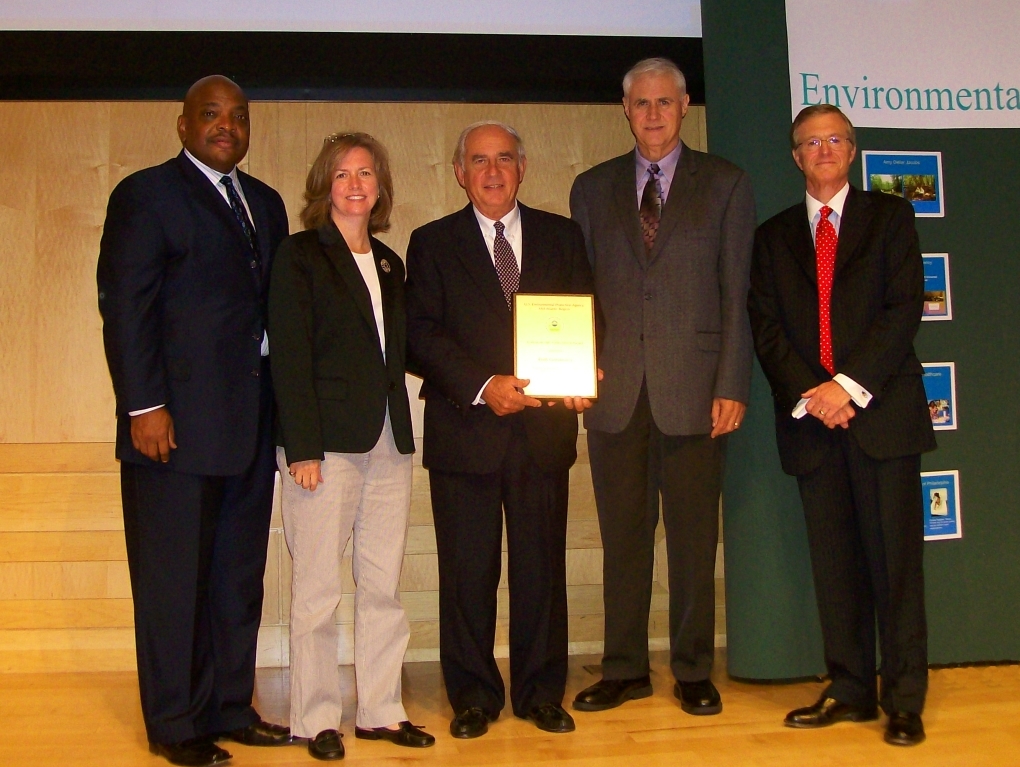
column 65, row 601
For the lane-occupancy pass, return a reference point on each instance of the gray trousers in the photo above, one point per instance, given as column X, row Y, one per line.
column 367, row 495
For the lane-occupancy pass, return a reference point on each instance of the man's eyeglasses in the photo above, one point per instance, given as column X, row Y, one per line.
column 835, row 143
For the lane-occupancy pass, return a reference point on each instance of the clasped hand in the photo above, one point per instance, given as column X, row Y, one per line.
column 505, row 395
column 830, row 403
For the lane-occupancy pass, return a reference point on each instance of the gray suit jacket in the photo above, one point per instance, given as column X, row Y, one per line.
column 675, row 317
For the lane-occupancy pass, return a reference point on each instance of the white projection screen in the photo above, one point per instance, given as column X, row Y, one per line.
column 654, row 18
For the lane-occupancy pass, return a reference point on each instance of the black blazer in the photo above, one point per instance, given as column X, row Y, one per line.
column 184, row 308
column 331, row 381
column 877, row 295
column 460, row 333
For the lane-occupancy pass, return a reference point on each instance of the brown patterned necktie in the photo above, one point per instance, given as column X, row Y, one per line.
column 651, row 207
column 506, row 264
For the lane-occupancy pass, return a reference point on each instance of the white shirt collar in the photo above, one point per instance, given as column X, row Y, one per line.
column 511, row 222
column 836, row 203
column 212, row 174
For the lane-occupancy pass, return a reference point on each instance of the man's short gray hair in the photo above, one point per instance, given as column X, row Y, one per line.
column 458, row 153
column 654, row 66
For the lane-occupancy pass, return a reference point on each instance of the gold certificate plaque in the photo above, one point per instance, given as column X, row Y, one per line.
column 554, row 345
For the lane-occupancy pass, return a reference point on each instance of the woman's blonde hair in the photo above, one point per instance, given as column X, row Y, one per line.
column 320, row 180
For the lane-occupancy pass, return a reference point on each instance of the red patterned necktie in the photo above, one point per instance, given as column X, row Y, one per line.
column 825, row 252
column 506, row 264
column 651, row 207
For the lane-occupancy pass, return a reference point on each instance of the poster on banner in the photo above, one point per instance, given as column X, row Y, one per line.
column 909, row 63
column 938, row 299
column 940, row 498
column 915, row 176
column 940, row 390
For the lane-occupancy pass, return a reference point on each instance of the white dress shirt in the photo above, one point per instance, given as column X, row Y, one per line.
column 858, row 393
column 512, row 233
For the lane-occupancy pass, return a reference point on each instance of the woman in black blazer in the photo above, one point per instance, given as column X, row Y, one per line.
column 336, row 320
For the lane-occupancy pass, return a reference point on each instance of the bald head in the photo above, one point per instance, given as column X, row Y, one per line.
column 213, row 125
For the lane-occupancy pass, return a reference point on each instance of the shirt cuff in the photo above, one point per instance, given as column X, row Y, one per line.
column 858, row 393
column 145, row 410
column 478, row 399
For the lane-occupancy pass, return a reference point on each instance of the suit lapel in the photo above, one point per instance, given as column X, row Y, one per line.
column 857, row 215
column 384, row 268
column 800, row 242
column 625, row 192
column 214, row 201
column 681, row 189
column 340, row 257
column 259, row 219
column 532, row 263
column 474, row 255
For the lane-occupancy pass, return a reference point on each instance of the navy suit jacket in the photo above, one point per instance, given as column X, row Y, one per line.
column 877, row 293
column 460, row 332
column 183, row 301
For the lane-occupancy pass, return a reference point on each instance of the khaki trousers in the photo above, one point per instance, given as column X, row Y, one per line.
column 367, row 495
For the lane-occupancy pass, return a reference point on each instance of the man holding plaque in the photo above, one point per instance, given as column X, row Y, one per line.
column 669, row 233
column 490, row 449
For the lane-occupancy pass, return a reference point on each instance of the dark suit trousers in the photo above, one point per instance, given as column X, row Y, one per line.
column 864, row 524
column 196, row 550
column 469, row 511
column 626, row 469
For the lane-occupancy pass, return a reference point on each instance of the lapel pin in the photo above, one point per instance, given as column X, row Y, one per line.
column 385, row 265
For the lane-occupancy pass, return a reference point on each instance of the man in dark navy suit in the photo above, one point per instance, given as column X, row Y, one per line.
column 183, row 270
column 837, row 285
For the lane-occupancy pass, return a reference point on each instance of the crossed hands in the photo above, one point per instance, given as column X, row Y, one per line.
column 830, row 403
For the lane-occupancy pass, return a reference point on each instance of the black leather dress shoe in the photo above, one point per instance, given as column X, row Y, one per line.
column 197, row 752
column 408, row 735
column 904, row 729
column 829, row 711
column 698, row 698
column 610, row 693
column 470, row 723
column 327, row 746
column 262, row 734
column 551, row 717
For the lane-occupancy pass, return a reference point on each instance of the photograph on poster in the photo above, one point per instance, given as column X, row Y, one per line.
column 915, row 176
column 940, row 391
column 938, row 301
column 940, row 496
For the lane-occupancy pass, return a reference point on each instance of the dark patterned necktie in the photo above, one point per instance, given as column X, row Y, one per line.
column 240, row 213
column 506, row 264
column 825, row 252
column 651, row 207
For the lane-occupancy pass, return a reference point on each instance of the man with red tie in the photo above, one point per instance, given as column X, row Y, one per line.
column 835, row 302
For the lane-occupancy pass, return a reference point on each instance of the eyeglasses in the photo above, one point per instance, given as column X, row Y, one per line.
column 835, row 143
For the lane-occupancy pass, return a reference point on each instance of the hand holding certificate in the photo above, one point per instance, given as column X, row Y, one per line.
column 554, row 345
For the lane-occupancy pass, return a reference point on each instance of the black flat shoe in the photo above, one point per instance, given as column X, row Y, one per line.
column 197, row 752
column 408, row 735
column 261, row 734
column 904, row 729
column 828, row 711
column 551, row 717
column 470, row 723
column 698, row 698
column 327, row 746
column 610, row 693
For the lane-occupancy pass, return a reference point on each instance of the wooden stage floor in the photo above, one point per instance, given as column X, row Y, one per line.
column 972, row 718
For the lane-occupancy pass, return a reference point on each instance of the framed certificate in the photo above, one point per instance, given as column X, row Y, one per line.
column 554, row 345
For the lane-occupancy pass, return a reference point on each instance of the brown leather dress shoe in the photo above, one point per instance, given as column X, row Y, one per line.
column 472, row 722
column 551, row 717
column 698, row 698
column 262, row 734
column 327, row 746
column 828, row 711
column 407, row 735
column 610, row 693
column 904, row 729
column 197, row 752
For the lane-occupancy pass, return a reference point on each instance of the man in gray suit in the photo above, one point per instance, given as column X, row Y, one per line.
column 669, row 232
